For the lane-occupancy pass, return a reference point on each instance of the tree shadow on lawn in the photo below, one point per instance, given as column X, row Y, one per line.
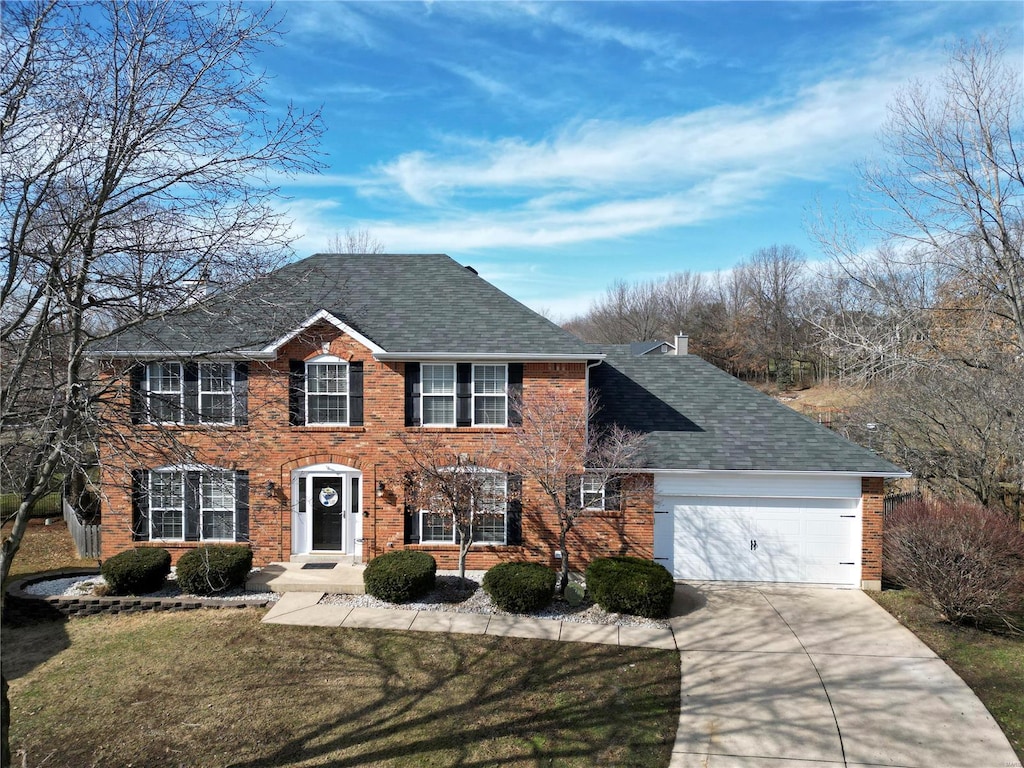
column 481, row 710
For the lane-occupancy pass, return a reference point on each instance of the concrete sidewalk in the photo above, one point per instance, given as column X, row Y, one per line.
column 303, row 608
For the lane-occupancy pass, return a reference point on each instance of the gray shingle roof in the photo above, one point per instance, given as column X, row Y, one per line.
column 404, row 303
column 702, row 418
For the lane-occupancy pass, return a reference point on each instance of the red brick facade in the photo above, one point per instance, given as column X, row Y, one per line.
column 872, row 513
column 270, row 449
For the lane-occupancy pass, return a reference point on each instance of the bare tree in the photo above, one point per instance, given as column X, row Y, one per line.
column 461, row 489
column 774, row 279
column 627, row 312
column 556, row 445
column 952, row 187
column 355, row 241
column 134, row 138
column 936, row 307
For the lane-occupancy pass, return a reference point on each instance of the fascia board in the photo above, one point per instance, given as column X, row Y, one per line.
column 794, row 473
column 454, row 357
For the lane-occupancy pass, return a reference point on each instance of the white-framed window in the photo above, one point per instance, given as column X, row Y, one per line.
column 591, row 492
column 489, row 516
column 436, row 527
column 216, row 393
column 438, row 393
column 327, row 391
column 165, row 391
column 490, row 395
column 217, row 505
column 193, row 503
column 167, row 505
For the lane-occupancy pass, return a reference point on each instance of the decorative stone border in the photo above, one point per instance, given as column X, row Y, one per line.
column 21, row 606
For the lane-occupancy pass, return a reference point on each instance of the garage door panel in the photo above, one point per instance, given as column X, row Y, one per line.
column 744, row 539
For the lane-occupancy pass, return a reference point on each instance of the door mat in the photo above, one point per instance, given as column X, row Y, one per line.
column 317, row 566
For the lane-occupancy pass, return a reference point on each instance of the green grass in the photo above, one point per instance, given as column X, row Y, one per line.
column 992, row 665
column 217, row 688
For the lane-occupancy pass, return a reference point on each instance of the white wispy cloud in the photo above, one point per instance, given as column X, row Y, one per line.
column 604, row 179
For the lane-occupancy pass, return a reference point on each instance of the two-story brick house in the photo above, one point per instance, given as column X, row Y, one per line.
column 276, row 415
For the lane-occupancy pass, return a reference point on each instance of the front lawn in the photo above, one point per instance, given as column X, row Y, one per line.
column 217, row 688
column 45, row 548
column 992, row 665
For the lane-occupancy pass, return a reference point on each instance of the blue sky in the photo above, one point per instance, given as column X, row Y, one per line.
column 557, row 147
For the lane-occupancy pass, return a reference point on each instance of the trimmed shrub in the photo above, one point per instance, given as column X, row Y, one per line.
column 137, row 571
column 399, row 577
column 520, row 587
column 631, row 585
column 966, row 561
column 214, row 568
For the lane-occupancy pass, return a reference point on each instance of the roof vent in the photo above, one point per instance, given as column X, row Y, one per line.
column 472, row 270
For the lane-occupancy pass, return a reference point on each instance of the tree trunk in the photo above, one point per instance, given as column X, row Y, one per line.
column 563, row 579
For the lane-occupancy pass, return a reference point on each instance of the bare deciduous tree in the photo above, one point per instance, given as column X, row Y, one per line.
column 937, row 307
column 557, row 441
column 952, row 187
column 134, row 140
column 355, row 241
column 462, row 489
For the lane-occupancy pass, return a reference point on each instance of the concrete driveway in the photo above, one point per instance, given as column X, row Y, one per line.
column 815, row 677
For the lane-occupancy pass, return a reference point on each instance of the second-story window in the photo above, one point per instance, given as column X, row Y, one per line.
column 172, row 392
column 326, row 392
column 216, row 393
column 490, row 396
column 438, row 395
column 165, row 387
column 462, row 394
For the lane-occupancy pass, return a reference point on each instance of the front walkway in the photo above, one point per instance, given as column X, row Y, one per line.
column 304, row 608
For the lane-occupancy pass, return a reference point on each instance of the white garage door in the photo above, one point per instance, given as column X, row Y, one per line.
column 812, row 540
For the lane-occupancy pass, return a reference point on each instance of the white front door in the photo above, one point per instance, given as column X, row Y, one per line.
column 326, row 510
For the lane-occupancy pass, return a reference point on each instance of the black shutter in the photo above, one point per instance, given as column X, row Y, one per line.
column 241, row 394
column 515, row 394
column 514, row 510
column 355, row 394
column 412, row 524
column 464, row 395
column 136, row 381
column 242, row 505
column 296, row 393
column 613, row 493
column 140, row 505
column 413, row 401
column 190, row 386
column 193, row 483
column 573, row 484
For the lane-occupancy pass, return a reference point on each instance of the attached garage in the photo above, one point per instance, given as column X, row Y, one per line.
column 801, row 530
column 745, row 489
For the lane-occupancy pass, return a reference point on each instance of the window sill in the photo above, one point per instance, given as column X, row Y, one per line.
column 179, row 427
column 182, row 544
column 446, row 545
column 326, row 428
column 463, row 430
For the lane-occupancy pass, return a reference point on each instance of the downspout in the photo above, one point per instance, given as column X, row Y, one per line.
column 586, row 378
